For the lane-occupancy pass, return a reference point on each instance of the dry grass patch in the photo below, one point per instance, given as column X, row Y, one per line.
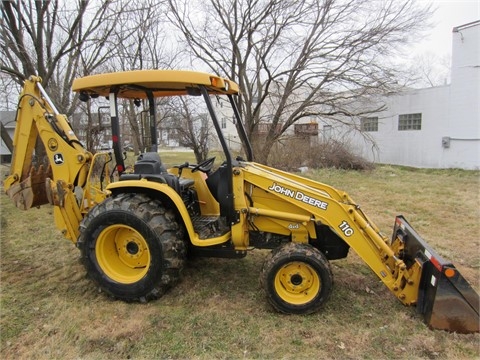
column 50, row 310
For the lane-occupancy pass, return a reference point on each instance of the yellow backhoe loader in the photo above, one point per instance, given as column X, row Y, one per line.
column 134, row 229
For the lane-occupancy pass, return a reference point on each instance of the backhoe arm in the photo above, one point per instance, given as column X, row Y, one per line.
column 47, row 171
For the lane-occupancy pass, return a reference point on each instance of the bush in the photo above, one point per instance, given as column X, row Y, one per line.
column 293, row 154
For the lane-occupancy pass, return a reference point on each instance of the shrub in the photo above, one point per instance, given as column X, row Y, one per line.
column 295, row 153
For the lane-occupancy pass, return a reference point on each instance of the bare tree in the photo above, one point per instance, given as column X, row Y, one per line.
column 146, row 47
column 57, row 41
column 192, row 127
column 60, row 40
column 9, row 90
column 299, row 59
column 429, row 70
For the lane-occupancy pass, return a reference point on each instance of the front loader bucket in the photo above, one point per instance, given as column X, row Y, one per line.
column 445, row 298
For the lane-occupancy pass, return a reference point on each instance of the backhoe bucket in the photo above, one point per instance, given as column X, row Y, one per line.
column 445, row 298
column 30, row 192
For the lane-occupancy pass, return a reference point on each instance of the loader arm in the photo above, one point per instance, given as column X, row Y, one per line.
column 328, row 206
column 405, row 263
column 49, row 162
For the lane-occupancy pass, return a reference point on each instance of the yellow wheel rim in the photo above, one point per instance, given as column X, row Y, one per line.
column 122, row 253
column 297, row 283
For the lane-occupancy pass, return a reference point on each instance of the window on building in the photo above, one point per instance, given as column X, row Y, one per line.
column 306, row 129
column 410, row 121
column 369, row 123
column 224, row 123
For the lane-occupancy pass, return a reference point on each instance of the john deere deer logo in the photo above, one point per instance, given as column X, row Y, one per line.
column 58, row 159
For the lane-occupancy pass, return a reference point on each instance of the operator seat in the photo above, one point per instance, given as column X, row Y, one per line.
column 149, row 163
column 149, row 166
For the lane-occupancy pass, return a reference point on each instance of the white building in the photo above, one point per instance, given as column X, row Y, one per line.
column 436, row 127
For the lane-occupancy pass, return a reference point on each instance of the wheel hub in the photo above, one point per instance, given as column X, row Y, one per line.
column 296, row 279
column 132, row 248
column 297, row 283
column 122, row 253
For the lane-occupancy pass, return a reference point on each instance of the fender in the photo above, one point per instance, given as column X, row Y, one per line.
column 160, row 188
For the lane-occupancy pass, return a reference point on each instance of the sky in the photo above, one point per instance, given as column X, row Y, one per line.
column 450, row 13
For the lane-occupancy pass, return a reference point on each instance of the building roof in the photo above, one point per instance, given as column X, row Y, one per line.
column 464, row 26
column 7, row 118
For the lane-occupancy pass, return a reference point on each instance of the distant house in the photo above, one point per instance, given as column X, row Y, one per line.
column 7, row 118
column 78, row 122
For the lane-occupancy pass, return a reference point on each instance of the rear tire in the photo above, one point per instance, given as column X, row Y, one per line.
column 132, row 247
column 297, row 279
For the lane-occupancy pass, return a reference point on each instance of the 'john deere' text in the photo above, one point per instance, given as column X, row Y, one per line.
column 298, row 195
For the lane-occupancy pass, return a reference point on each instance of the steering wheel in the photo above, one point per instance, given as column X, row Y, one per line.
column 205, row 166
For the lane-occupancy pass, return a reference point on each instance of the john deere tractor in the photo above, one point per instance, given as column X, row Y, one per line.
column 135, row 229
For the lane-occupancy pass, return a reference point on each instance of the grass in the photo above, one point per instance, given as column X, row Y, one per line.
column 49, row 309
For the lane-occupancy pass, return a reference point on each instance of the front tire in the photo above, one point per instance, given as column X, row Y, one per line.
column 132, row 247
column 297, row 279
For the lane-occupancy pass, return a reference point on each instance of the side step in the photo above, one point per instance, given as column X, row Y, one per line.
column 209, row 226
column 445, row 299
